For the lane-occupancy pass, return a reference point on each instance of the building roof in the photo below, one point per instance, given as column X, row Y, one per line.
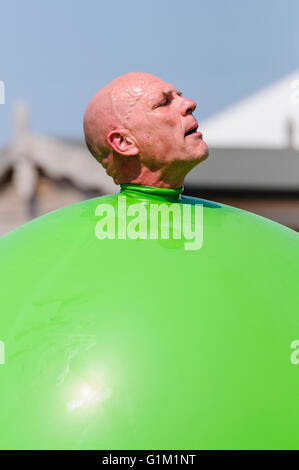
column 266, row 119
column 58, row 158
column 254, row 144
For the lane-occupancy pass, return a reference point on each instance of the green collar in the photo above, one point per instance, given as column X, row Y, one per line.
column 151, row 192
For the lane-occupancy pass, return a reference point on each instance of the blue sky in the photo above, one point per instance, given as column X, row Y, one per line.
column 56, row 54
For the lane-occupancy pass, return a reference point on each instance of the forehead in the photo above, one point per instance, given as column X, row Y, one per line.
column 155, row 90
column 131, row 96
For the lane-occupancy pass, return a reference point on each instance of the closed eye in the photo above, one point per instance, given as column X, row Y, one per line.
column 168, row 97
column 164, row 102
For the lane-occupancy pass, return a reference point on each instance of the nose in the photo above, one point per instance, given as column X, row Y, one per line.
column 188, row 106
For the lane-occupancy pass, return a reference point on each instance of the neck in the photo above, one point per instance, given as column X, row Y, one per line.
column 169, row 176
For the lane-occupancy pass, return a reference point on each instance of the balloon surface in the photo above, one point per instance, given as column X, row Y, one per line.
column 116, row 337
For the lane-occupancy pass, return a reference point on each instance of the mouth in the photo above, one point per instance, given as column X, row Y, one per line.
column 192, row 130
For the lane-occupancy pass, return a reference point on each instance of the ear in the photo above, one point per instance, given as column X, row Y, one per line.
column 122, row 143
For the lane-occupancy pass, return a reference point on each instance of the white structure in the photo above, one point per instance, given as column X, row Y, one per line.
column 266, row 119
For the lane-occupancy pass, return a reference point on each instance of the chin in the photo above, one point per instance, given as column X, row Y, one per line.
column 204, row 152
column 199, row 156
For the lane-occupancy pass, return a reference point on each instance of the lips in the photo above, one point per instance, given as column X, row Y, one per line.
column 191, row 130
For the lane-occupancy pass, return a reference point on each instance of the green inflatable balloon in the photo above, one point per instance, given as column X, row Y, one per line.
column 149, row 320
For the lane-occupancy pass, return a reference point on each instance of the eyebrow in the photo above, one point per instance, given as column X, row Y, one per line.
column 168, row 94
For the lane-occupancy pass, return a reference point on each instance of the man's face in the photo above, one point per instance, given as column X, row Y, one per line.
column 162, row 123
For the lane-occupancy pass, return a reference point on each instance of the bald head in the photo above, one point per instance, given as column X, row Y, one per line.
column 113, row 107
column 137, row 126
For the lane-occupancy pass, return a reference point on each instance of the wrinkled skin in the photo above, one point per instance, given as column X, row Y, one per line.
column 136, row 127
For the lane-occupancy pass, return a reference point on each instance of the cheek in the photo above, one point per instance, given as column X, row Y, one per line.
column 168, row 124
column 168, row 128
column 159, row 135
